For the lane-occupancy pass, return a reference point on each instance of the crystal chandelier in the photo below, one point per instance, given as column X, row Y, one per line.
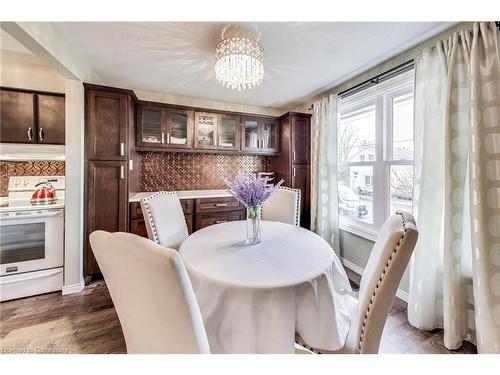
column 239, row 62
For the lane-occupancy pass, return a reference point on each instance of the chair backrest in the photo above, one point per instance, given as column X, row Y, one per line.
column 388, row 260
column 283, row 206
column 152, row 294
column 164, row 219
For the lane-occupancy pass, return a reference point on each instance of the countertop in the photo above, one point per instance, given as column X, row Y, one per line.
column 185, row 194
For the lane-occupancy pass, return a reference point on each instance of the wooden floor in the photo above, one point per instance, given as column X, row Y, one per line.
column 86, row 322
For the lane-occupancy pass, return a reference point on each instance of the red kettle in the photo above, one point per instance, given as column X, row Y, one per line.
column 44, row 195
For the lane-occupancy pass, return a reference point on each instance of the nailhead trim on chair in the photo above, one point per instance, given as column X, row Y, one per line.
column 148, row 212
column 374, row 294
column 297, row 202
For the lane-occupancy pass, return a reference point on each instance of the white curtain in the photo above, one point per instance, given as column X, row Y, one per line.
column 455, row 275
column 324, row 171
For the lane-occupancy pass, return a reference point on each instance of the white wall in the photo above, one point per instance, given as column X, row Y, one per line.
column 205, row 103
column 73, row 260
column 21, row 70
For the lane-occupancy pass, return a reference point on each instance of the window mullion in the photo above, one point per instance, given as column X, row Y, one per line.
column 378, row 177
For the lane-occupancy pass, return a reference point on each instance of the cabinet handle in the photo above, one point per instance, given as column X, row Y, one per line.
column 220, row 141
column 294, row 172
column 122, row 149
column 162, row 137
column 122, row 172
column 40, row 134
column 220, row 221
column 220, row 204
column 293, row 155
column 168, row 137
column 30, row 133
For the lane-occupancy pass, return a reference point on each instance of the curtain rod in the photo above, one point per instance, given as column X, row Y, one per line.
column 379, row 78
column 375, row 80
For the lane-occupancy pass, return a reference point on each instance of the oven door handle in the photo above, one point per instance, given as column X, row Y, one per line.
column 31, row 214
column 16, row 278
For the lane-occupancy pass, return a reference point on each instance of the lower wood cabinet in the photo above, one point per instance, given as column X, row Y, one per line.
column 107, row 203
column 199, row 213
column 207, row 219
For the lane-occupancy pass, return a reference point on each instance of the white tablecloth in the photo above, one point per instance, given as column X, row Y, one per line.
column 253, row 298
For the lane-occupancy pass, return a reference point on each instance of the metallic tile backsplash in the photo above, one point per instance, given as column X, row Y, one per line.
column 28, row 168
column 190, row 171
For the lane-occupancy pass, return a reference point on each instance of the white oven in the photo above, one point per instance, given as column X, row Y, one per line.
column 31, row 240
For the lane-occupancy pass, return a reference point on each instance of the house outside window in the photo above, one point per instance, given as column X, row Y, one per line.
column 375, row 154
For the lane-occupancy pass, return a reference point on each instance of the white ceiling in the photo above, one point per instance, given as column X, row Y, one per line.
column 301, row 58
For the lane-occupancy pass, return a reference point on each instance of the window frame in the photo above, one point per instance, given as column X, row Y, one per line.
column 382, row 96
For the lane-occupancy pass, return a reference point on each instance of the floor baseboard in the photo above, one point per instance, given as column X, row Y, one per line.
column 73, row 288
column 401, row 294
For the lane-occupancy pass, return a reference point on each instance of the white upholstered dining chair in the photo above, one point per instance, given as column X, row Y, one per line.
column 283, row 206
column 152, row 294
column 388, row 260
column 165, row 221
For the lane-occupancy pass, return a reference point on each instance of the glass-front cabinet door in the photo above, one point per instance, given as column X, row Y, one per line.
column 152, row 129
column 205, row 131
column 250, row 134
column 260, row 135
column 179, row 128
column 228, row 134
column 269, row 135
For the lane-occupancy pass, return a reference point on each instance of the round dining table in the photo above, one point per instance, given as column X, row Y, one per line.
column 254, row 298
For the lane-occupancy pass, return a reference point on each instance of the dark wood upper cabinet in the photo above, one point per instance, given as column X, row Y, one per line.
column 163, row 127
column 205, row 130
column 152, row 127
column 228, row 132
column 107, row 119
column 250, row 134
column 17, row 117
column 260, row 135
column 107, row 202
column 179, row 128
column 32, row 117
column 269, row 135
column 301, row 139
column 51, row 119
column 214, row 131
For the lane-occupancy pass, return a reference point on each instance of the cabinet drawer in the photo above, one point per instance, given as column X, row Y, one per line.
column 138, row 227
column 217, row 205
column 207, row 219
column 135, row 210
column 187, row 206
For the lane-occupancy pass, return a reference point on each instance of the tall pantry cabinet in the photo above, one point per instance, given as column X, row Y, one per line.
column 293, row 162
column 109, row 162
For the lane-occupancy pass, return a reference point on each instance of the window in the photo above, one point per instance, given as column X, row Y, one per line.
column 375, row 154
column 368, row 180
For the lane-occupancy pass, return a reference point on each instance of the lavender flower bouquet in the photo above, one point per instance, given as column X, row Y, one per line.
column 252, row 194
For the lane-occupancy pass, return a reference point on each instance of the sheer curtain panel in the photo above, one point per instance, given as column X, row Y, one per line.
column 324, row 171
column 455, row 275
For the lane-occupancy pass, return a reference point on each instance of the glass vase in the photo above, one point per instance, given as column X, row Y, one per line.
column 253, row 225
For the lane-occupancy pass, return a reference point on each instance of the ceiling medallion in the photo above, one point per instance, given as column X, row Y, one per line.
column 239, row 62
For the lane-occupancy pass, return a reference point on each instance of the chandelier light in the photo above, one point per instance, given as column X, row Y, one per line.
column 239, row 62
